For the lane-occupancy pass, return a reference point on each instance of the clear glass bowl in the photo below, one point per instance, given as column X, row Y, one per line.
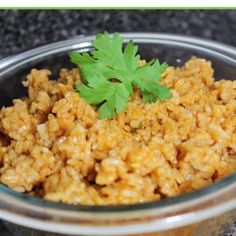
column 203, row 212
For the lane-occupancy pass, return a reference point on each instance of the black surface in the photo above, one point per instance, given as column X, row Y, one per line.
column 4, row 231
column 21, row 30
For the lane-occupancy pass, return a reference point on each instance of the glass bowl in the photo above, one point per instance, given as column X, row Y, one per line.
column 204, row 212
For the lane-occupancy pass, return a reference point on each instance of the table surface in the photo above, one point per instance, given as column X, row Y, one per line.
column 21, row 30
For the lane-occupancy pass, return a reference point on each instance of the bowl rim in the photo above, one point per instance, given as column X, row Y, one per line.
column 20, row 202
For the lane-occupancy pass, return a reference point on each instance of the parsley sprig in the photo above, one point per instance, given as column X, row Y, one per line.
column 110, row 75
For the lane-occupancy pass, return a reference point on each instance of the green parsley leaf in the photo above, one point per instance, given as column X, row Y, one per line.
column 112, row 96
column 110, row 75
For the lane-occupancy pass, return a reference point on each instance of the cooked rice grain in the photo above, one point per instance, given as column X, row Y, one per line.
column 53, row 140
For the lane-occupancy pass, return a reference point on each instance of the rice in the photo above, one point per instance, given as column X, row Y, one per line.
column 53, row 145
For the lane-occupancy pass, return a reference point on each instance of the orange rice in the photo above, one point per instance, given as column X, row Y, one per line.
column 53, row 145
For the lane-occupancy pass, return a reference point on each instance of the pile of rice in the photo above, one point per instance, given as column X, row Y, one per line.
column 53, row 145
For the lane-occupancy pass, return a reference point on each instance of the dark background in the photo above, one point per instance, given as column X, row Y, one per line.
column 21, row 30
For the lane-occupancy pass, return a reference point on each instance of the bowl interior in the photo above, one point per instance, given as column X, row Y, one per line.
column 175, row 54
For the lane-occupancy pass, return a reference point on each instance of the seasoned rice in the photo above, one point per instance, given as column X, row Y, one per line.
column 53, row 145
